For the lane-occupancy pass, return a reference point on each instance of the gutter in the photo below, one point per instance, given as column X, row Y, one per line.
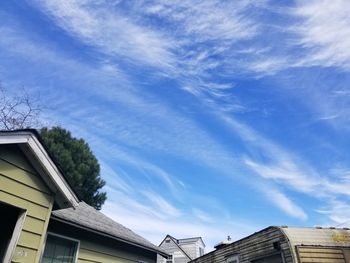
column 163, row 254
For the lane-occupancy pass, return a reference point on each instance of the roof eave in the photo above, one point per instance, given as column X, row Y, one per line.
column 162, row 253
column 33, row 149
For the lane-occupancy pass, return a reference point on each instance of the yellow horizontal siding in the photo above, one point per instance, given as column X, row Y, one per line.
column 23, row 176
column 320, row 255
column 94, row 251
column 25, row 192
column 80, row 260
column 29, row 240
column 33, row 209
column 34, row 225
column 13, row 154
column 22, row 187
column 96, row 256
column 24, row 254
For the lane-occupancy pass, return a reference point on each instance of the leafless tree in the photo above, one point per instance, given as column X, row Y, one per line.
column 18, row 111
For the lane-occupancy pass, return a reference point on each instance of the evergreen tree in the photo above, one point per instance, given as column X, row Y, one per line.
column 78, row 163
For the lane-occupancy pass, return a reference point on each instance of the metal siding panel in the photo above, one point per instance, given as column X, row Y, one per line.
column 322, row 255
column 250, row 248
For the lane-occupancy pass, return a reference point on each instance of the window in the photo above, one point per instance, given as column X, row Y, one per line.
column 167, row 241
column 233, row 259
column 269, row 259
column 169, row 259
column 59, row 249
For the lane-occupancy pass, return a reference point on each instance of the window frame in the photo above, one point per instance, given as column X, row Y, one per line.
column 10, row 251
column 63, row 237
column 167, row 260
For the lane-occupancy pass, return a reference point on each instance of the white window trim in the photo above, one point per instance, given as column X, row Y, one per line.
column 63, row 237
column 15, row 235
column 232, row 258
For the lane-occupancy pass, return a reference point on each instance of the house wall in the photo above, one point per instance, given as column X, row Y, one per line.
column 95, row 248
column 192, row 248
column 21, row 186
column 172, row 249
column 251, row 248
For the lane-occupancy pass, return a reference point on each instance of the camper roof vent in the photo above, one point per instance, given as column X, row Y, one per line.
column 224, row 243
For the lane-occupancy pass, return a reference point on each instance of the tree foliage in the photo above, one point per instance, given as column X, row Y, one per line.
column 77, row 162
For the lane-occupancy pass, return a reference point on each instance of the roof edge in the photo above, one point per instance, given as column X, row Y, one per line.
column 183, row 251
column 36, row 151
column 160, row 252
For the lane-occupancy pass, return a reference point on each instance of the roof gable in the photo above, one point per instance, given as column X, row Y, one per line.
column 30, row 144
column 176, row 242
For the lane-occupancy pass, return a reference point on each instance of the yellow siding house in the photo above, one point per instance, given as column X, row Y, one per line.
column 42, row 220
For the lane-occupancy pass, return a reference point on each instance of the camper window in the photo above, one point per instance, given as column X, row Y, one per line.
column 233, row 259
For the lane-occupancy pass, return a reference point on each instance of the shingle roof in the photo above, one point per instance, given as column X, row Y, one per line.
column 88, row 217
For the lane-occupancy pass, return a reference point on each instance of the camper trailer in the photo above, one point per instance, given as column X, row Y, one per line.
column 285, row 245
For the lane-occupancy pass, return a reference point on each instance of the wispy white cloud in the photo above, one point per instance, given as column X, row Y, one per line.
column 185, row 50
column 203, row 40
column 209, row 20
column 285, row 204
column 203, row 216
column 338, row 212
column 324, row 32
column 156, row 228
column 161, row 204
column 100, row 25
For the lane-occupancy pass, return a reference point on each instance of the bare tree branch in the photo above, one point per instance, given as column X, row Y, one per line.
column 18, row 111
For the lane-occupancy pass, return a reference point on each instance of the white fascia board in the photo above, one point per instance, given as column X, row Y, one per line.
column 28, row 138
column 53, row 171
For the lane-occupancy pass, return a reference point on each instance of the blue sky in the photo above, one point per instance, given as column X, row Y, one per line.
column 209, row 118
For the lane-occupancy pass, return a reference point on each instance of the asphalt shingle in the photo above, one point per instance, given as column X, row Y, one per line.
column 87, row 216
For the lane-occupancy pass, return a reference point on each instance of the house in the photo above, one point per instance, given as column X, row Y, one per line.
column 181, row 250
column 285, row 245
column 43, row 220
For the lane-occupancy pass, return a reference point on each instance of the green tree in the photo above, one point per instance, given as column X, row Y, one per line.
column 78, row 163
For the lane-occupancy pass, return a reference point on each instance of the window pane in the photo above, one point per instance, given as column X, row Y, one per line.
column 59, row 250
